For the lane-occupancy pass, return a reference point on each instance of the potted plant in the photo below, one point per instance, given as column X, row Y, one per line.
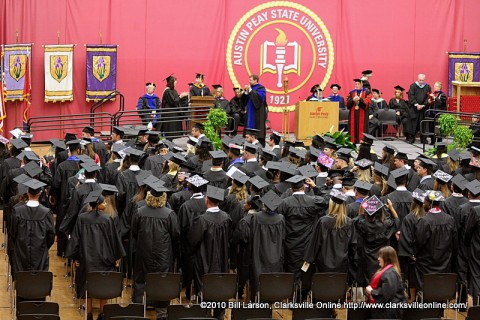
column 216, row 120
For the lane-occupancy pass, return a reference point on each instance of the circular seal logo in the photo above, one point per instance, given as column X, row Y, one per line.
column 287, row 45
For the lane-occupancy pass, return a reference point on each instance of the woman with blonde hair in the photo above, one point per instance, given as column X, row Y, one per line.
column 333, row 243
column 173, row 164
column 441, row 182
column 386, row 286
column 380, row 175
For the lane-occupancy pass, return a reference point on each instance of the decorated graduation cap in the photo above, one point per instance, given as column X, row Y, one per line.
column 364, row 164
column 118, row 130
column 389, row 149
column 338, row 196
column 400, row 88
column 34, row 186
column 367, row 139
column 89, row 130
column 335, row 85
column 18, row 144
column 4, row 140
column 442, row 177
column 419, row 195
column 296, row 181
column 215, row 193
column 459, row 181
column 363, row 187
column 271, row 200
column 473, row 187
column 251, row 148
column 150, row 85
column 398, row 173
column 199, row 126
column 315, row 88
column 308, row 171
column 325, row 160
column 252, row 132
column 258, row 183
column 401, row 156
column 381, row 169
column 240, row 177
column 197, row 181
column 90, row 166
column 372, row 205
column 108, row 189
column 434, row 196
column 32, row 169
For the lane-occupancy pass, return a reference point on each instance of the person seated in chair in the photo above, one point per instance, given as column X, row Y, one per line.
column 376, row 103
column 148, row 105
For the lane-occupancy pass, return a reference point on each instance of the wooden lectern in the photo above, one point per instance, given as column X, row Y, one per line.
column 312, row 117
column 460, row 88
column 199, row 107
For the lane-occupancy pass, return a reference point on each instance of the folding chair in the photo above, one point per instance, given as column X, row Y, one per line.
column 179, row 311
column 440, row 287
column 274, row 287
column 219, row 287
column 37, row 307
column 387, row 117
column 162, row 287
column 104, row 285
column 473, row 313
column 418, row 314
column 358, row 314
column 246, row 313
column 329, row 287
column 116, row 310
column 39, row 317
column 32, row 285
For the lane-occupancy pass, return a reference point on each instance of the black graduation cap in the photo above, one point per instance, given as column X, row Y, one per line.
column 419, row 195
column 144, row 131
column 218, row 154
column 427, row 163
column 169, row 78
column 278, row 134
column 397, row 87
column 376, row 91
column 454, row 154
column 157, row 187
column 315, row 152
column 273, row 165
column 473, row 187
column 191, row 141
column 118, row 130
column 363, row 185
column 268, row 155
column 357, row 80
column 372, row 205
column 89, row 130
column 441, row 147
column 335, row 85
column 240, row 177
column 84, row 158
column 69, row 136
column 238, row 140
column 134, row 152
column 381, row 169
column 18, row 144
column 434, row 196
column 197, row 181
column 391, row 182
column 226, row 140
column 21, row 178
column 459, row 181
column 215, row 193
column 205, row 143
column 252, row 132
column 235, row 149
column 177, row 158
column 348, row 179
column 364, row 164
column 150, row 84
column 336, row 173
column 288, row 168
column 401, row 156
column 271, row 200
column 465, row 156
column 367, row 72
column 108, row 189
column 251, row 148
column 368, row 139
column 400, row 172
column 58, row 144
column 93, row 196
column 130, row 143
column 199, row 76
column 330, row 143
column 73, row 144
column 32, row 168
column 315, row 88
column 237, row 88
column 299, row 144
column 142, row 176
column 296, row 181
column 163, row 144
column 258, row 182
column 216, row 86
column 30, row 155
column 34, row 185
column 344, row 156
column 199, row 126
column 338, row 196
column 442, row 177
column 118, row 148
column 91, row 167
column 389, row 148
column 308, row 171
column 22, row 189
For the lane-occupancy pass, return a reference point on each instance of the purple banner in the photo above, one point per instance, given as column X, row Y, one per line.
column 101, row 71
column 464, row 67
column 14, row 67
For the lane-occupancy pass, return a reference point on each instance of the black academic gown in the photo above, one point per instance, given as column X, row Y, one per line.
column 406, row 247
column 250, row 167
column 110, row 173
column 413, row 180
column 96, row 243
column 170, row 114
column 154, row 230
column 216, row 178
column 436, row 240
column 33, row 233
column 178, row 198
column 472, row 239
column 426, row 184
column 451, row 204
column 8, row 187
column 353, row 207
column 301, row 212
column 372, row 236
column 209, row 238
column 416, row 95
column 155, row 164
column 464, row 264
column 127, row 188
column 101, row 150
column 390, row 289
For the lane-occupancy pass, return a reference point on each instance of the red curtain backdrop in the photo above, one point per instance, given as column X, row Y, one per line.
column 397, row 40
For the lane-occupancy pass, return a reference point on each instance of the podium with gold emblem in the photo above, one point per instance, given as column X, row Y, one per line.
column 312, row 117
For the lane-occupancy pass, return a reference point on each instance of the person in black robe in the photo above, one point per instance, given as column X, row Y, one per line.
column 215, row 175
column 333, row 244
column 472, row 241
column 95, row 243
column 64, row 171
column 12, row 162
column 435, row 239
column 358, row 102
column 437, row 101
column 257, row 108
column 98, row 145
column 386, row 286
column 202, row 155
column 171, row 112
column 156, row 162
column 400, row 106
column 376, row 103
column 417, row 100
column 127, row 183
column 361, row 191
column 251, row 164
column 199, row 88
column 210, row 237
column 301, row 212
column 424, row 171
column 32, row 231
column 238, row 105
column 110, row 171
column 155, row 229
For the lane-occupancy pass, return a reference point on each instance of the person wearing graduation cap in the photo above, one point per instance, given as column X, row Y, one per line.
column 155, row 229
column 198, row 88
column 273, row 142
column 98, row 145
column 388, row 156
column 437, row 100
column 366, row 74
column 376, row 103
column 357, row 102
column 251, row 136
column 32, row 231
column 238, row 104
column 361, row 191
column 234, row 156
column 441, row 182
column 316, row 94
column 96, row 246
column 400, row 197
column 197, row 131
column 117, row 135
column 335, row 96
column 171, row 112
column 301, row 212
column 148, row 105
column 203, row 155
column 12, row 162
column 251, row 164
column 170, row 178
column 400, row 106
column 424, row 171
column 365, row 150
column 435, row 239
column 126, row 181
column 257, row 109
column 3, row 149
column 220, row 101
column 418, row 102
column 472, row 243
column 210, row 237
column 215, row 175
